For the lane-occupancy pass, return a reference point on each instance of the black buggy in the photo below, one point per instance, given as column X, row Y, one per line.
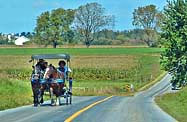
column 54, row 86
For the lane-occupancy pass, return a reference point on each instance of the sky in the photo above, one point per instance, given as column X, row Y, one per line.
column 18, row 16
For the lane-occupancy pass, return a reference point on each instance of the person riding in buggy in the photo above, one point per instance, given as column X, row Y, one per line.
column 47, row 78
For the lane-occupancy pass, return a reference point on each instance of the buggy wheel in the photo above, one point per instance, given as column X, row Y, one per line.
column 70, row 99
column 66, row 98
column 59, row 100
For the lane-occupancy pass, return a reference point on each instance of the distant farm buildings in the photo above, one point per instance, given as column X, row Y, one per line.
column 21, row 40
column 15, row 38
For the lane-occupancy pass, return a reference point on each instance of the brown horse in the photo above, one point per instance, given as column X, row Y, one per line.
column 38, row 83
column 56, row 82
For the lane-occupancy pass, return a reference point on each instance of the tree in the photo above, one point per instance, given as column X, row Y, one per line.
column 148, row 18
column 174, row 34
column 69, row 36
column 106, row 33
column 42, row 29
column 23, row 33
column 51, row 26
column 91, row 18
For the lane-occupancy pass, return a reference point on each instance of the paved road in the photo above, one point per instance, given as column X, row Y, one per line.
column 140, row 108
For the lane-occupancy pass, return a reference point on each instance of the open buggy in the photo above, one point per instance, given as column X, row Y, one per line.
column 46, row 78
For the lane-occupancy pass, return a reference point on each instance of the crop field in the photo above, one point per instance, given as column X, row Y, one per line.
column 96, row 71
column 79, row 51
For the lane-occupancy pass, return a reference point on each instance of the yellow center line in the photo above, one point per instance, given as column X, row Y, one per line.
column 72, row 117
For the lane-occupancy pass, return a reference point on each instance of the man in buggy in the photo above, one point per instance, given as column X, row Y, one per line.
column 41, row 66
column 63, row 69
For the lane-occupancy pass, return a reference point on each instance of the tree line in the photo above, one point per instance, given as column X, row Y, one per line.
column 89, row 24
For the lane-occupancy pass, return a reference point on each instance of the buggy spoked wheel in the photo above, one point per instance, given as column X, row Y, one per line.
column 70, row 99
column 66, row 97
column 59, row 100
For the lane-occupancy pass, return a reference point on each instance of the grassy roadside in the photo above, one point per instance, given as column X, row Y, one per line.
column 174, row 104
column 14, row 93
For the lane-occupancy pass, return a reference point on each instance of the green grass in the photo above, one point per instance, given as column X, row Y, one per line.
column 14, row 93
column 96, row 71
column 79, row 51
column 93, row 87
column 175, row 104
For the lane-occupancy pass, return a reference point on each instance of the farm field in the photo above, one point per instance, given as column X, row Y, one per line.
column 96, row 71
column 174, row 104
column 79, row 51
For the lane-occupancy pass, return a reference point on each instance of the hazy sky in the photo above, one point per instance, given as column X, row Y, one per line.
column 20, row 15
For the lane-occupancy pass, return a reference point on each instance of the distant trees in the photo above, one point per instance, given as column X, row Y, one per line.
column 52, row 26
column 2, row 39
column 89, row 24
column 149, row 19
column 69, row 36
column 174, row 35
column 6, row 39
column 126, row 37
column 23, row 33
column 90, row 19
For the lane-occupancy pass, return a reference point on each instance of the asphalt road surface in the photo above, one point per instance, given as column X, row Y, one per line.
column 140, row 108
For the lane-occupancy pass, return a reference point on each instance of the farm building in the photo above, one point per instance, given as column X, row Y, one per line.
column 21, row 40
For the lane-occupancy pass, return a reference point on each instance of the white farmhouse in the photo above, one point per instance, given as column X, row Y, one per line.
column 21, row 40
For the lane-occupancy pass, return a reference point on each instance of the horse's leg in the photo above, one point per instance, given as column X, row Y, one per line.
column 39, row 94
column 42, row 99
column 59, row 94
column 61, row 90
column 42, row 93
column 34, row 90
column 51, row 95
column 56, row 91
column 35, row 101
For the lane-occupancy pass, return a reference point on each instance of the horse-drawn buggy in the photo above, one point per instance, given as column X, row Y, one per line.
column 46, row 78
